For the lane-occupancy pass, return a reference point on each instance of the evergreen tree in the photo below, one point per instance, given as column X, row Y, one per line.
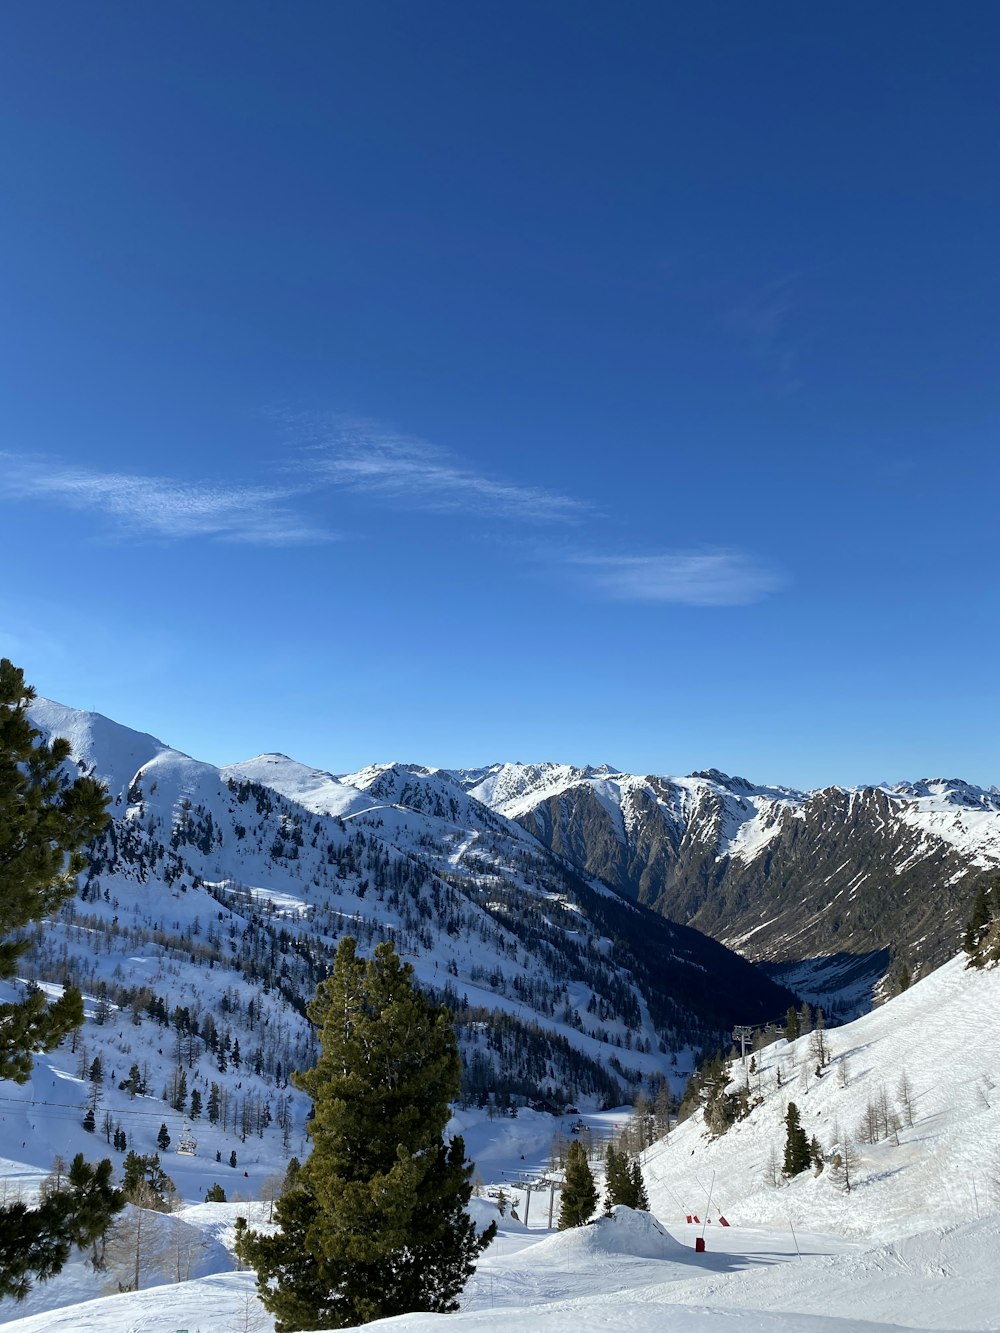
column 617, row 1184
column 978, row 928
column 640, row 1199
column 145, row 1180
column 579, row 1195
column 134, row 1084
column 195, row 1103
column 45, row 821
column 623, row 1181
column 215, row 1194
column 374, row 1223
column 163, row 1139
column 35, row 1243
column 816, row 1153
column 797, row 1155
column 291, row 1174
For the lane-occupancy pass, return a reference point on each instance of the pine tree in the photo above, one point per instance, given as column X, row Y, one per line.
column 623, row 1181
column 133, row 1085
column 163, row 1139
column 35, row 1243
column 579, row 1194
column 792, row 1023
column 195, row 1103
column 978, row 928
column 616, row 1181
column 291, row 1174
column 45, row 820
column 640, row 1199
column 146, row 1180
column 816, row 1154
column 374, row 1223
column 797, row 1155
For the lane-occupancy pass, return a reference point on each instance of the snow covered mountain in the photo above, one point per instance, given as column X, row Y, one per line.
column 835, row 884
column 251, row 873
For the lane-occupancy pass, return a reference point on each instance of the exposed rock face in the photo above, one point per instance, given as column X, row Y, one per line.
column 870, row 874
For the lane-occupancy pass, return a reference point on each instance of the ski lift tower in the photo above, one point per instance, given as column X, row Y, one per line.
column 742, row 1033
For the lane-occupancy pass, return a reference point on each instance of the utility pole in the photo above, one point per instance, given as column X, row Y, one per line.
column 742, row 1033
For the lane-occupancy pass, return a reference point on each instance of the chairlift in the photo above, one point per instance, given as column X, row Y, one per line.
column 187, row 1145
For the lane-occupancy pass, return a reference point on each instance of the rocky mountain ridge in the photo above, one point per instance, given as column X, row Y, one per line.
column 251, row 873
column 829, row 888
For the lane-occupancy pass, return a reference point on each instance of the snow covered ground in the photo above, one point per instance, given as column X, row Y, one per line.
column 914, row 1244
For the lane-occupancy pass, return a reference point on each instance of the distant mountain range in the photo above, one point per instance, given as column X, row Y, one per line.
column 832, row 888
column 579, row 921
column 561, row 987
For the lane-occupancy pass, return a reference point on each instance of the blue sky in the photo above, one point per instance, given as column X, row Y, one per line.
column 450, row 382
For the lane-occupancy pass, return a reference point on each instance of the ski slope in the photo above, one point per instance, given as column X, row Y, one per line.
column 914, row 1244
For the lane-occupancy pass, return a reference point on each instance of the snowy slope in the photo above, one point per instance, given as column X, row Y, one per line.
column 944, row 1035
column 106, row 749
column 904, row 1249
column 314, row 790
column 955, row 812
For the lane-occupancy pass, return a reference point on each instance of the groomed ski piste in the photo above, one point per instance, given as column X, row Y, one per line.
column 914, row 1244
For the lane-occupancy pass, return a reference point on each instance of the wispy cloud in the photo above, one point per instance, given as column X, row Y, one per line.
column 717, row 578
column 364, row 457
column 763, row 321
column 162, row 507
